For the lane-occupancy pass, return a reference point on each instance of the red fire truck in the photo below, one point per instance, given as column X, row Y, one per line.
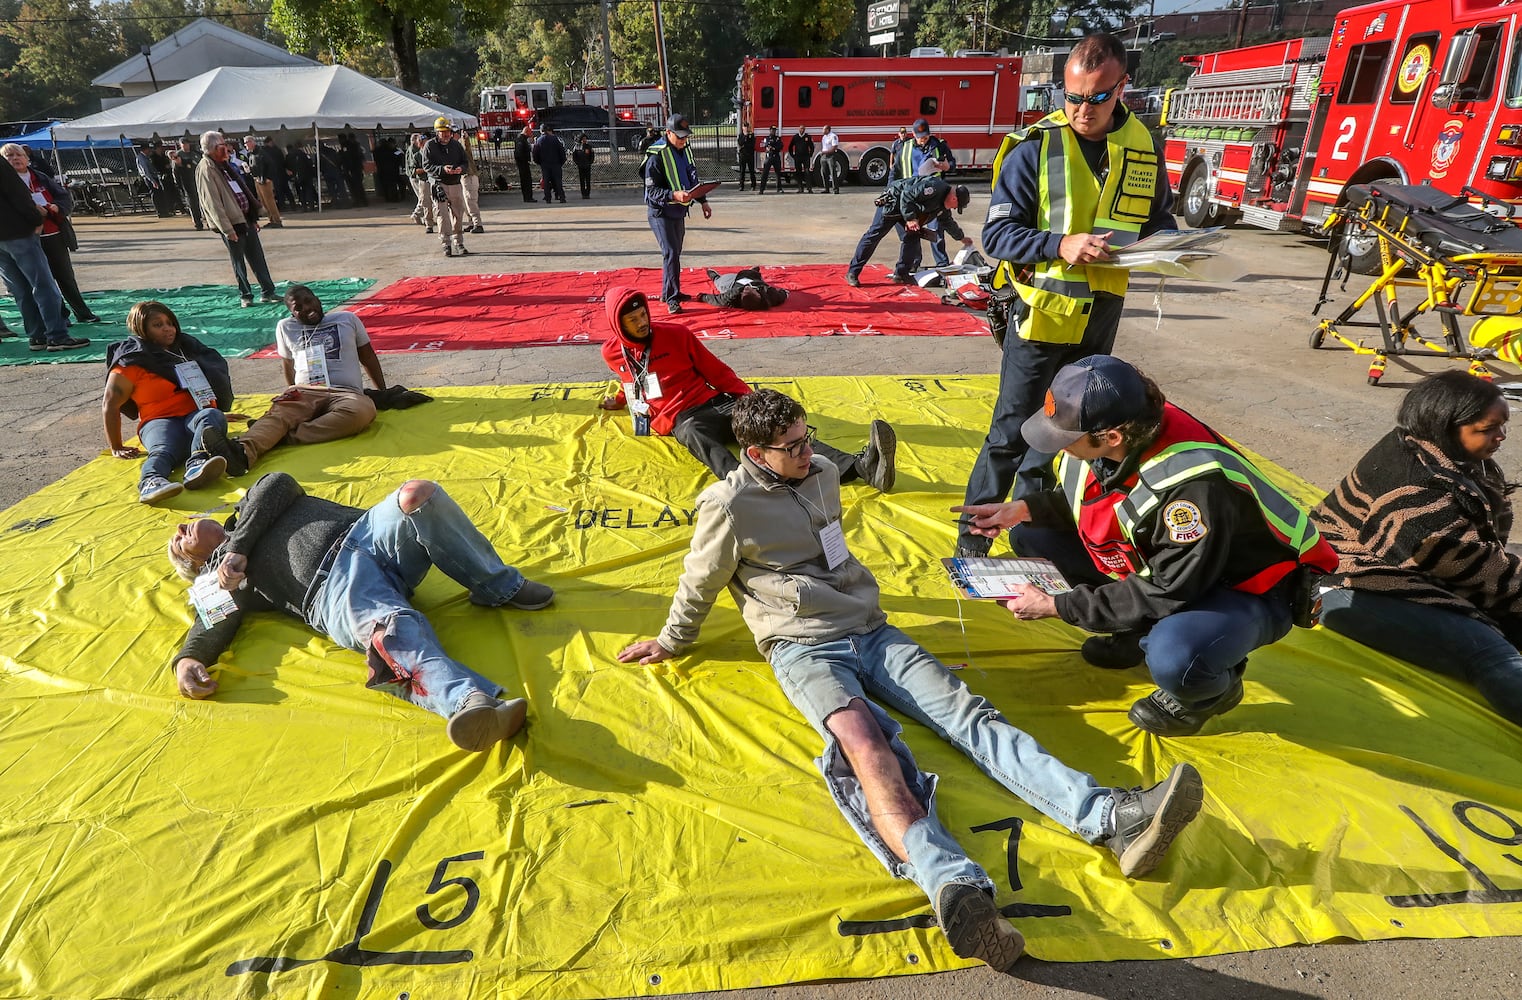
column 1412, row 91
column 970, row 101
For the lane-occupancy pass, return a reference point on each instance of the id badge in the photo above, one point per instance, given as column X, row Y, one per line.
column 652, row 383
column 834, row 541
column 194, row 380
column 639, row 412
column 212, row 603
column 312, row 366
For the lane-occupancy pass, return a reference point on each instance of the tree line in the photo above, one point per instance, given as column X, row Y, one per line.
column 51, row 49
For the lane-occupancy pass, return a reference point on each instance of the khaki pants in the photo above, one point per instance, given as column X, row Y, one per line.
column 472, row 185
column 452, row 215
column 266, row 191
column 307, row 415
column 424, row 210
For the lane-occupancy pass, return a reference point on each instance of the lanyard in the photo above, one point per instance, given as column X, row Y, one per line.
column 638, row 368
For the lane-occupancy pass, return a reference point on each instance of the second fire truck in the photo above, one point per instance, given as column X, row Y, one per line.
column 1426, row 90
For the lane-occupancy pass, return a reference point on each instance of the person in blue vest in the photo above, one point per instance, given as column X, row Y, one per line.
column 1180, row 551
column 670, row 174
column 1079, row 182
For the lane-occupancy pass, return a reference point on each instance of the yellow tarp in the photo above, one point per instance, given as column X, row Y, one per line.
column 655, row 830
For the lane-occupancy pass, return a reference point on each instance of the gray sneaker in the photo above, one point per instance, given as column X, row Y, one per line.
column 482, row 721
column 875, row 463
column 1144, row 823
column 975, row 928
column 203, row 470
column 156, row 488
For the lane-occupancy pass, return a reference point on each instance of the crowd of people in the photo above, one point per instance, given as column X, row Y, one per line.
column 1183, row 557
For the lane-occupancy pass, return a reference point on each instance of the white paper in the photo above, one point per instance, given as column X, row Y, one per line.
column 834, row 541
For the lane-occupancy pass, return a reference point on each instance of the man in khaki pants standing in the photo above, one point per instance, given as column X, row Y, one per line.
column 259, row 168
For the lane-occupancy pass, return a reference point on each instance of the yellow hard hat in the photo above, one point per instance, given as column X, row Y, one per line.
column 442, row 123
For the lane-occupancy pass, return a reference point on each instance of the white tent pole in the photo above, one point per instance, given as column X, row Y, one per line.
column 317, row 142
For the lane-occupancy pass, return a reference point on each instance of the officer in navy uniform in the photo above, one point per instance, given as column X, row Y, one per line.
column 916, row 204
column 670, row 174
column 772, row 145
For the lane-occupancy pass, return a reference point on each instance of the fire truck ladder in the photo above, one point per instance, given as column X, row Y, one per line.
column 1255, row 97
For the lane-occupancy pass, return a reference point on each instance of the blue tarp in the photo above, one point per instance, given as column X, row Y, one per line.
column 43, row 139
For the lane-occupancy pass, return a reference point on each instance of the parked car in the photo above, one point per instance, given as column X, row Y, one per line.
column 570, row 119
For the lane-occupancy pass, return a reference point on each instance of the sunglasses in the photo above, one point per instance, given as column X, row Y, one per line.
column 1095, row 99
column 795, row 450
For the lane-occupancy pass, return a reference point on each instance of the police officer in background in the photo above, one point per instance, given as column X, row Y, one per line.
column 670, row 173
column 924, row 154
column 523, row 156
column 800, row 149
column 772, row 146
column 745, row 153
column 1045, row 236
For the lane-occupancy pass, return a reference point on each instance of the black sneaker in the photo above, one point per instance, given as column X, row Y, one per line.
column 853, row 280
column 875, row 464
column 37, row 345
column 975, row 928
column 218, row 443
column 269, row 298
column 460, row 251
column 1164, row 715
column 673, row 307
column 1144, row 823
column 448, row 250
column 1117, row 651
column 902, row 279
column 67, row 343
column 531, row 597
column 477, row 229
column 970, row 550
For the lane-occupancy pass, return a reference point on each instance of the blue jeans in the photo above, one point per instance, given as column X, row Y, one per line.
column 669, row 233
column 171, row 440
column 24, row 268
column 1436, row 639
column 909, row 251
column 820, row 679
column 1192, row 652
column 1025, row 374
column 245, row 252
column 363, row 604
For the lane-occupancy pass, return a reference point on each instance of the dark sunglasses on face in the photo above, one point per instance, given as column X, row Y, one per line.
column 1094, row 99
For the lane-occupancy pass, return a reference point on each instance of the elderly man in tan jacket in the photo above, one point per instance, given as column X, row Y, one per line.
column 771, row 533
column 230, row 203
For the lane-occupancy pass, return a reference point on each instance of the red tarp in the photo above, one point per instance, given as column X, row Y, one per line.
column 492, row 311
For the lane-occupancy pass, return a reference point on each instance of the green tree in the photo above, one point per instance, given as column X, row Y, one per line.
column 58, row 47
column 807, row 26
column 404, row 26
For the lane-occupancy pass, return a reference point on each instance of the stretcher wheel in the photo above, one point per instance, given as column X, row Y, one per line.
column 1318, row 337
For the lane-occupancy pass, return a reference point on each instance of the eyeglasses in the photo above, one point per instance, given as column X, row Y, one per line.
column 1094, row 99
column 795, row 450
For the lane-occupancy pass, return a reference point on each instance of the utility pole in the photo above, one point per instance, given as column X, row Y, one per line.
column 607, row 73
column 660, row 59
column 1242, row 24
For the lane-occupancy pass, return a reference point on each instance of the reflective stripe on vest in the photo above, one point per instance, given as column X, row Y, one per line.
column 668, row 164
column 1188, row 455
column 1057, row 296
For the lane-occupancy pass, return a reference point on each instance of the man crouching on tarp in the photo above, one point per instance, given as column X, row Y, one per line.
column 771, row 533
column 348, row 574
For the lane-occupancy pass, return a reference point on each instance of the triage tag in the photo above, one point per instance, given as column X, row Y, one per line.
column 639, row 411
column 652, row 383
column 212, row 603
column 194, row 381
column 834, row 541
column 311, row 366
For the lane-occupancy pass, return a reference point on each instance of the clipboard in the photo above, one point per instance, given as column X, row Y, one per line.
column 992, row 579
column 703, row 189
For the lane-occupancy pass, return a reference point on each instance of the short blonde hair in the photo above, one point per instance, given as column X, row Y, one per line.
column 11, row 147
column 184, row 566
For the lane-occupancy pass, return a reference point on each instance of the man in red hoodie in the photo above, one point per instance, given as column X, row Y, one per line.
column 674, row 385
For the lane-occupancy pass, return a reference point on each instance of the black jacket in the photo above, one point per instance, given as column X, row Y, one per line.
column 134, row 351
column 19, row 216
column 286, row 536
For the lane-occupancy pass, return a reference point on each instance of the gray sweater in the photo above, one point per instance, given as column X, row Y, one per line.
column 286, row 536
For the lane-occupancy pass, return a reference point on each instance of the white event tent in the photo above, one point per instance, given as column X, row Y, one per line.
column 243, row 99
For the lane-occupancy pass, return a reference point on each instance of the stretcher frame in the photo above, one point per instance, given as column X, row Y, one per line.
column 1484, row 283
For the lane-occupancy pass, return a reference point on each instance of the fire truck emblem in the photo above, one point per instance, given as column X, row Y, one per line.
column 1375, row 26
column 1447, row 147
column 1414, row 69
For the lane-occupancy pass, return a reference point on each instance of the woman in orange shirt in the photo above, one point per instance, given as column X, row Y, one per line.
column 178, row 390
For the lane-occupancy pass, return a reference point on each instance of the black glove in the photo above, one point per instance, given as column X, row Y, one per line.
column 396, row 397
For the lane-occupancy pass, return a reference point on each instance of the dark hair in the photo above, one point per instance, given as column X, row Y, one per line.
column 1095, row 50
column 1438, row 405
column 295, row 290
column 1141, row 430
column 760, row 417
column 139, row 315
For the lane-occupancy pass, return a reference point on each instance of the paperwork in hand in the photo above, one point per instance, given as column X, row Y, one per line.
column 996, row 579
column 1180, row 253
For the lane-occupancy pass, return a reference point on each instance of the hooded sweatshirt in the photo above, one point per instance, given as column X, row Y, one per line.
column 687, row 373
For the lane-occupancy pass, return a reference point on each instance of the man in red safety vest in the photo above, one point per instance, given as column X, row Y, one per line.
column 1181, row 552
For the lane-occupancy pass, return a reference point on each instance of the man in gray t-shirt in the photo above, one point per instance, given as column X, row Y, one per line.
column 323, row 355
